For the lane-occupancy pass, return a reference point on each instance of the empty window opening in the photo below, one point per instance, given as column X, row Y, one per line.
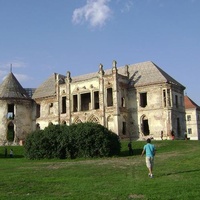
column 96, row 100
column 51, row 108
column 37, row 110
column 176, row 101
column 189, row 131
column 181, row 101
column 168, row 97
column 109, row 97
column 145, row 126
column 124, row 128
column 164, row 98
column 123, row 102
column 85, row 101
column 188, row 117
column 75, row 103
column 64, row 105
column 10, row 114
column 10, row 132
column 143, row 99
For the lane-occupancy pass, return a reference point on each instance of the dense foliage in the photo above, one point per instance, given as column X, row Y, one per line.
column 77, row 140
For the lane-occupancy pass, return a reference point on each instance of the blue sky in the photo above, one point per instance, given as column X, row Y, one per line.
column 41, row 37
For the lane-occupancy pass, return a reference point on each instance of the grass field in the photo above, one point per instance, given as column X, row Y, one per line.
column 176, row 175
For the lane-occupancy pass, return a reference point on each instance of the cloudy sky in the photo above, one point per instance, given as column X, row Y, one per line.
column 41, row 37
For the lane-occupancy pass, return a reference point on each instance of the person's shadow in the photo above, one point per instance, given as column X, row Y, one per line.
column 135, row 152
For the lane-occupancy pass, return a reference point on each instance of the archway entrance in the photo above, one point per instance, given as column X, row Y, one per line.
column 145, row 125
column 10, row 132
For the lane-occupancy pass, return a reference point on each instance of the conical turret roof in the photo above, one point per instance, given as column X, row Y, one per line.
column 11, row 88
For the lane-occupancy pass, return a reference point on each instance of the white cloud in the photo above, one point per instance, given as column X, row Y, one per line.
column 96, row 12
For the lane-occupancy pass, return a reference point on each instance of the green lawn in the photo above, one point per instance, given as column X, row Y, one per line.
column 176, row 175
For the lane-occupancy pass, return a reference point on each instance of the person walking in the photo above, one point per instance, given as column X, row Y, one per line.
column 11, row 153
column 130, row 149
column 149, row 149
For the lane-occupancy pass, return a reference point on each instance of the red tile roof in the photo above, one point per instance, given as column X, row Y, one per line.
column 189, row 103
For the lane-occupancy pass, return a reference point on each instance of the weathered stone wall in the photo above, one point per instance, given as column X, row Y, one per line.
column 22, row 121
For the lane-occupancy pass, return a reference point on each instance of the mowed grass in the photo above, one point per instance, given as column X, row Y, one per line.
column 176, row 175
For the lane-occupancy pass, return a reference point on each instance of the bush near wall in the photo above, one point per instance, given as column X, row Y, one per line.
column 76, row 140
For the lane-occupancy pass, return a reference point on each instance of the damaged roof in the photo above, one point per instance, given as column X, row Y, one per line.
column 140, row 74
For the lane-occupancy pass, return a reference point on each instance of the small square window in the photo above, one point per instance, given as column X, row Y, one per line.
column 189, row 131
column 188, row 117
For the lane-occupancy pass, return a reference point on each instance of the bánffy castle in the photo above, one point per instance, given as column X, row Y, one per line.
column 134, row 101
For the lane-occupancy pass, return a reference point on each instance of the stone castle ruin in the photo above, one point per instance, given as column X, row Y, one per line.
column 134, row 101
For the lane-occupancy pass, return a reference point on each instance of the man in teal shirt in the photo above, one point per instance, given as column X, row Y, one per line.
column 149, row 149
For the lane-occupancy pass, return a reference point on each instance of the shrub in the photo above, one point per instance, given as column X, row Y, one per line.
column 48, row 143
column 94, row 140
column 77, row 140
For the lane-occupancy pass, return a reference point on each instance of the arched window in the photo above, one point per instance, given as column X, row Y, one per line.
column 10, row 132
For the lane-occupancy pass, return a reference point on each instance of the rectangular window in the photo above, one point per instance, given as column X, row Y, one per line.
column 188, row 117
column 109, row 97
column 75, row 103
column 168, row 97
column 123, row 102
column 37, row 110
column 176, row 101
column 189, row 131
column 181, row 101
column 63, row 104
column 164, row 98
column 51, row 109
column 96, row 100
column 85, row 101
column 10, row 114
column 143, row 99
column 124, row 128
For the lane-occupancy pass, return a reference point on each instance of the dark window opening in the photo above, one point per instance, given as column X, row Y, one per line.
column 75, row 103
column 109, row 97
column 143, row 99
column 176, row 101
column 96, row 100
column 37, row 110
column 188, row 117
column 10, row 114
column 85, row 101
column 145, row 127
column 64, row 105
column 189, row 131
column 164, row 98
column 169, row 97
column 124, row 128
column 178, row 127
column 123, row 102
column 10, row 132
